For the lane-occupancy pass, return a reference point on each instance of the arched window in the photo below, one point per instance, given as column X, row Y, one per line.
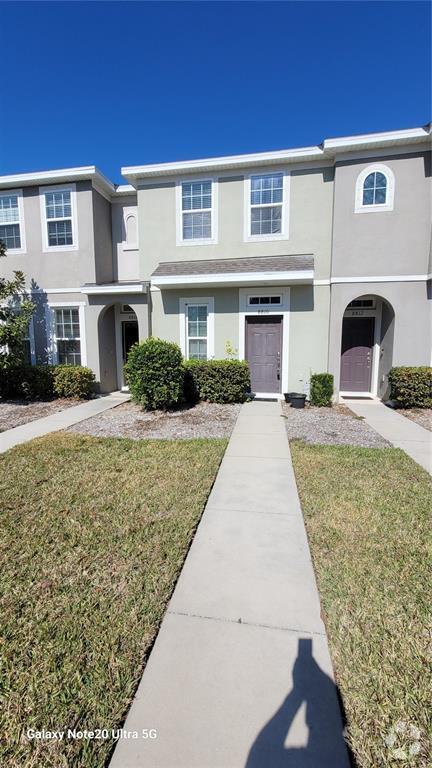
column 374, row 189
column 131, row 229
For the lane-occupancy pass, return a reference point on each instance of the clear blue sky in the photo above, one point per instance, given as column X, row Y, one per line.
column 124, row 83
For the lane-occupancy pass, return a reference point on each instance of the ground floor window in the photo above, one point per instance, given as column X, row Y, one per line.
column 196, row 331
column 67, row 335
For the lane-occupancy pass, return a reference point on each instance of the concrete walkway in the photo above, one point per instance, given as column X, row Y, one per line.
column 60, row 420
column 240, row 674
column 415, row 440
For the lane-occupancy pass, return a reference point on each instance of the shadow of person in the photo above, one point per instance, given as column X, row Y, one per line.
column 325, row 747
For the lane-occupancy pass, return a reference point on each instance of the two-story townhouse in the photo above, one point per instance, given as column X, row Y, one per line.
column 301, row 260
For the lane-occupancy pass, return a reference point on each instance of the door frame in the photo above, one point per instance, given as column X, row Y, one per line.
column 120, row 317
column 281, row 310
column 376, row 346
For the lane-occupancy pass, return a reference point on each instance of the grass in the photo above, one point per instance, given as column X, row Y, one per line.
column 368, row 517
column 93, row 534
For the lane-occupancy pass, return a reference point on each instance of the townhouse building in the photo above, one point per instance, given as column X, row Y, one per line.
column 302, row 260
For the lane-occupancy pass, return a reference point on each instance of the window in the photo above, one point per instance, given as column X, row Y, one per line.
column 265, row 300
column 196, row 332
column 130, row 228
column 266, row 200
column 196, row 216
column 374, row 189
column 67, row 335
column 58, row 216
column 364, row 303
column 11, row 221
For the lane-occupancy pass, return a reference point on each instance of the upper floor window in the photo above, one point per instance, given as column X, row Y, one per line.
column 196, row 200
column 266, row 206
column 58, row 218
column 374, row 189
column 12, row 221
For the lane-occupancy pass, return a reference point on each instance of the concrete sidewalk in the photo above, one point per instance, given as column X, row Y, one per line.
column 60, row 420
column 240, row 674
column 415, row 440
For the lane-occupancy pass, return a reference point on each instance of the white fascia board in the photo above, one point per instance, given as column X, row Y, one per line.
column 124, row 189
column 92, row 290
column 58, row 176
column 234, row 278
column 381, row 279
column 220, row 163
column 383, row 138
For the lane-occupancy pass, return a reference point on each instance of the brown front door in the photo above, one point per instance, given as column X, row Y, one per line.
column 356, row 361
column 264, row 352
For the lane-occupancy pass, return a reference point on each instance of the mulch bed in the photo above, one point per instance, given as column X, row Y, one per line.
column 421, row 416
column 14, row 413
column 330, row 426
column 205, row 420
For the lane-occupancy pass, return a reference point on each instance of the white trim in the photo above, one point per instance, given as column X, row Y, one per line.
column 59, row 176
column 19, row 194
column 359, row 206
column 345, row 393
column 371, row 138
column 119, row 346
column 235, row 278
column 380, row 279
column 209, row 301
column 260, row 295
column 376, row 352
column 286, row 185
column 282, row 310
column 322, row 282
column 50, row 308
column 272, row 395
column 46, row 248
column 92, row 290
column 213, row 212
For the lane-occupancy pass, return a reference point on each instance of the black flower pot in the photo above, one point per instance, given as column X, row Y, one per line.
column 297, row 400
column 289, row 395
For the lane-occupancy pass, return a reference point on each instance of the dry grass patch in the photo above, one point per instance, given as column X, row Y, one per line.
column 93, row 536
column 368, row 517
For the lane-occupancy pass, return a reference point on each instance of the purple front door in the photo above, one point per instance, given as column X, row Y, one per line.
column 356, row 360
column 263, row 352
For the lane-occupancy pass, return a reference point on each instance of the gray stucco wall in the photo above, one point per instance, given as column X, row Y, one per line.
column 102, row 238
column 308, row 334
column 393, row 242
column 310, row 217
column 412, row 324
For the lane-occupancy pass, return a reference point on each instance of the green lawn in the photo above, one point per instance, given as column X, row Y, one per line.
column 93, row 534
column 368, row 517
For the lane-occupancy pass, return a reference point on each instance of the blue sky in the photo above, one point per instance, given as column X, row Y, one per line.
column 124, row 83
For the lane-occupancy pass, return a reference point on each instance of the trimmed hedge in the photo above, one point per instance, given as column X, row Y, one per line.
column 154, row 373
column 217, row 381
column 42, row 382
column 73, row 381
column 411, row 387
column 321, row 389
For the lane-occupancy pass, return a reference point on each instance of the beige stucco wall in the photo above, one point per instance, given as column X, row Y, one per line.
column 310, row 222
column 308, row 334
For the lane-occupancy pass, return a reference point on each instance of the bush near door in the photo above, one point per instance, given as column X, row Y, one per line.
column 73, row 381
column 411, row 387
column 321, row 389
column 43, row 382
column 217, row 381
column 154, row 374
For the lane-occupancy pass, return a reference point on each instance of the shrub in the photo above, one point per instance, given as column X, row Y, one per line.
column 321, row 389
column 154, row 373
column 411, row 387
column 218, row 381
column 33, row 382
column 73, row 381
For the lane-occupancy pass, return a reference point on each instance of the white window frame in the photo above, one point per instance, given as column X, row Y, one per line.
column 44, row 221
column 19, row 194
column 184, row 303
column 359, row 207
column 50, row 322
column 213, row 212
column 286, row 184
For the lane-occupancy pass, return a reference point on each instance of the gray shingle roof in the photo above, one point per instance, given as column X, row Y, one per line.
column 227, row 266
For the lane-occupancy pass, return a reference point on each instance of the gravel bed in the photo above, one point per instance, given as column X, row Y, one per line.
column 129, row 420
column 422, row 416
column 330, row 426
column 13, row 413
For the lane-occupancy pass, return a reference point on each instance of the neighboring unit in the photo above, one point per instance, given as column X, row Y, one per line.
column 304, row 260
